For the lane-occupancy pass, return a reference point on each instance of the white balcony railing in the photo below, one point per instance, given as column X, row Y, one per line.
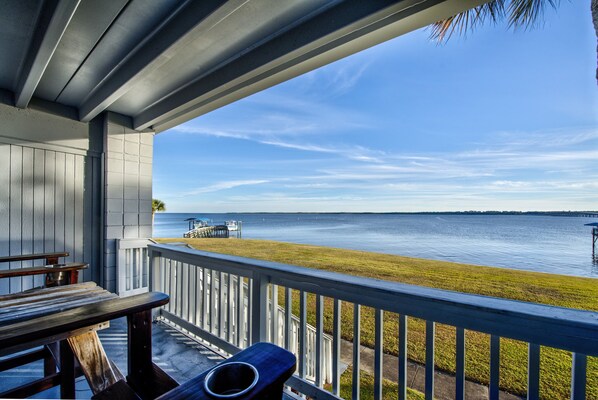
column 205, row 289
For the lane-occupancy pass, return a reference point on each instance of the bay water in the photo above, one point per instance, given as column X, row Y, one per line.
column 553, row 244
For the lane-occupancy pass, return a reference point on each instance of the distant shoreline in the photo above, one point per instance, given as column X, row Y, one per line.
column 590, row 214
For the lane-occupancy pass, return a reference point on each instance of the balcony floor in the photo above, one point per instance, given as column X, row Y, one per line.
column 181, row 357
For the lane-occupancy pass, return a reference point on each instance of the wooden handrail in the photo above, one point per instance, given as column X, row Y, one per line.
column 51, row 258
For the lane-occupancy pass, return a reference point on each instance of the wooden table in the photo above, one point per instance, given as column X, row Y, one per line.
column 274, row 365
column 62, row 314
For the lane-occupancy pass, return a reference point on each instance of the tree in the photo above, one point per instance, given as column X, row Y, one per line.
column 157, row 206
column 520, row 13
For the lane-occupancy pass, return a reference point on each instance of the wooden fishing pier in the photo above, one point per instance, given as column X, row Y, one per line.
column 215, row 231
column 594, row 226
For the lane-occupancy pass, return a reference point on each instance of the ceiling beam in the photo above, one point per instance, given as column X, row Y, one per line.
column 166, row 39
column 53, row 21
column 345, row 28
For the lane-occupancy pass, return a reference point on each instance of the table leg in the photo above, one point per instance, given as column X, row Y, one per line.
column 140, row 369
column 67, row 371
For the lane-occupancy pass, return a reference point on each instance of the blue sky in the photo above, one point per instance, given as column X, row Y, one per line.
column 499, row 120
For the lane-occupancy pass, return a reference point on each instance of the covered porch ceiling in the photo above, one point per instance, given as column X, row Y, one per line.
column 163, row 62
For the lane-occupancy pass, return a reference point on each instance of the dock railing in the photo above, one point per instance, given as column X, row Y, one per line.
column 213, row 312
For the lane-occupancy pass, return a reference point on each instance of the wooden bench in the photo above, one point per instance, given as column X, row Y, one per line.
column 71, row 316
column 56, row 273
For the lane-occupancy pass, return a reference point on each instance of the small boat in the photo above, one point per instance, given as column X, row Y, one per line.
column 233, row 225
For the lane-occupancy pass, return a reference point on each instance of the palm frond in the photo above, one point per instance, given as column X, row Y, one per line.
column 468, row 20
column 519, row 13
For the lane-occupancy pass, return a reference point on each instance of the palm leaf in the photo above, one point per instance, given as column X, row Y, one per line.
column 519, row 13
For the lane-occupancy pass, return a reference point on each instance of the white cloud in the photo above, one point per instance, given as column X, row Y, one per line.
column 216, row 187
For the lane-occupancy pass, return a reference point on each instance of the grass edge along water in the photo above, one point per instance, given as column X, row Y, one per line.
column 550, row 289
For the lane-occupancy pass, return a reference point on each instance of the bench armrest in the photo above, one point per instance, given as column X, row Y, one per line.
column 51, row 258
column 46, row 269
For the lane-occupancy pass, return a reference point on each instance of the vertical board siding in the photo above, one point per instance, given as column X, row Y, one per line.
column 47, row 203
column 4, row 209
column 15, row 202
column 27, row 213
column 39, row 160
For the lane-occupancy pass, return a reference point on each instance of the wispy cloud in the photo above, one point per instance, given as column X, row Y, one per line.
column 216, row 187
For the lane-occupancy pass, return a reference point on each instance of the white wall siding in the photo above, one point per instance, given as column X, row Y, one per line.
column 128, row 189
column 47, row 204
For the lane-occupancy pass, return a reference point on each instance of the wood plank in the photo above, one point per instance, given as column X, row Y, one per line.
column 34, row 256
column 47, row 291
column 60, row 202
column 98, row 370
column 430, row 336
column 78, row 228
column 29, row 332
column 71, row 267
column 39, row 158
column 27, row 213
column 460, row 364
column 49, row 200
column 356, row 384
column 11, row 315
column 4, row 211
column 402, row 357
column 42, row 296
column 67, row 371
column 120, row 390
column 493, row 387
column 31, row 388
column 23, row 359
column 141, row 372
column 69, row 203
column 533, row 372
column 15, row 233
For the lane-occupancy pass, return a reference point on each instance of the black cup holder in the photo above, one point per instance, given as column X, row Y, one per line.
column 230, row 380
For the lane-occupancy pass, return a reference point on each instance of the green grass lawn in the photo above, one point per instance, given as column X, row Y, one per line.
column 549, row 289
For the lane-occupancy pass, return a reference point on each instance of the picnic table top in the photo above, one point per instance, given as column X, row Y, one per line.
column 42, row 316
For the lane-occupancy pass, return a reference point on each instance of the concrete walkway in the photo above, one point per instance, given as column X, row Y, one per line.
column 444, row 384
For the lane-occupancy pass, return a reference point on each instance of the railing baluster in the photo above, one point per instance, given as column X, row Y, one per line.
column 319, row 338
column 274, row 309
column 220, row 304
column 378, row 353
column 302, row 332
column 494, row 367
column 179, row 289
column 205, row 315
column 208, row 299
column 356, row 349
column 240, row 312
column 578, row 376
column 533, row 372
column 288, row 316
column 172, row 282
column 198, row 295
column 336, row 348
column 430, row 331
column 162, row 274
column 191, row 286
column 139, row 261
column 230, row 309
column 402, row 357
column 214, row 301
column 460, row 364
column 185, row 291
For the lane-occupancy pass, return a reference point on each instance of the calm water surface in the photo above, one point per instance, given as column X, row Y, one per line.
column 560, row 245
